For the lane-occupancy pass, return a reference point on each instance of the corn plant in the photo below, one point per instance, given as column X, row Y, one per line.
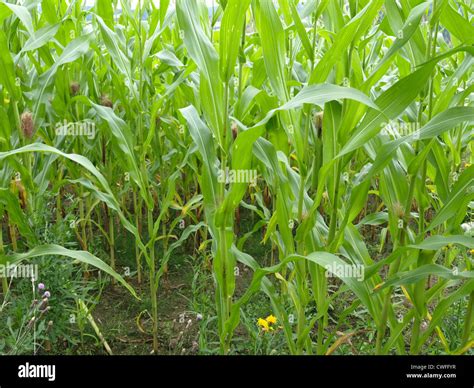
column 356, row 117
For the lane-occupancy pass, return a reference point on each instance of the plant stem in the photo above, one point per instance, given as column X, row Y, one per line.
column 415, row 336
column 153, row 290
column 4, row 279
column 112, row 244
column 137, row 209
column 469, row 320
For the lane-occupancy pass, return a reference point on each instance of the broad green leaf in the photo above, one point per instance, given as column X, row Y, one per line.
column 203, row 53
column 420, row 273
column 393, row 102
column 202, row 137
column 7, row 69
column 319, row 95
column 459, row 197
column 104, row 9
column 23, row 14
column 232, row 25
column 457, row 25
column 71, row 52
column 40, row 38
column 56, row 250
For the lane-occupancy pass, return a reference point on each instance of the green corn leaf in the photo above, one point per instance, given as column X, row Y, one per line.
column 232, row 25
column 7, row 69
column 458, row 199
column 420, row 273
column 56, row 250
column 40, row 38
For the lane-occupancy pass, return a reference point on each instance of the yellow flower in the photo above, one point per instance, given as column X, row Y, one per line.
column 263, row 324
column 271, row 319
column 471, row 251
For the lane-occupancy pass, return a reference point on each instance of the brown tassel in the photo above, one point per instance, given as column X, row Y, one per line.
column 27, row 125
column 106, row 101
column 235, row 130
column 74, row 88
column 318, row 120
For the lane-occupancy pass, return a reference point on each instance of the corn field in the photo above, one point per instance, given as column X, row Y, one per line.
column 237, row 177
